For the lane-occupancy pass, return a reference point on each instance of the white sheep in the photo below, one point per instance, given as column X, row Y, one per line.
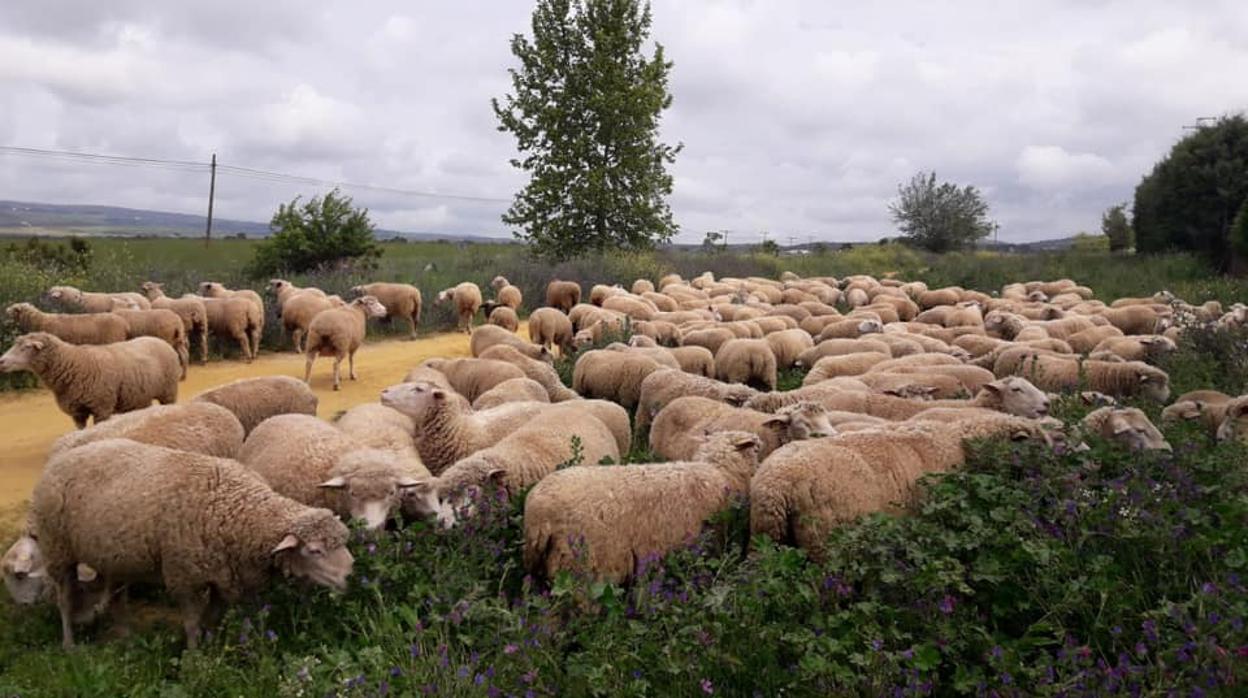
column 253, row 400
column 339, row 332
column 680, row 426
column 401, row 300
column 198, row 427
column 747, row 361
column 78, row 328
column 191, row 310
column 466, row 299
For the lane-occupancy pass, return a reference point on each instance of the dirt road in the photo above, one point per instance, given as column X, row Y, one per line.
column 32, row 421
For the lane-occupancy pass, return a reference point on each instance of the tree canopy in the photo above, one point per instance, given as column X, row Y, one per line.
column 585, row 109
column 1117, row 228
column 940, row 216
column 324, row 232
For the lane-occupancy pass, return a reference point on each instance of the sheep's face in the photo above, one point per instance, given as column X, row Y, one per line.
column 1037, row 297
column 1019, row 397
column 18, row 311
column 583, row 339
column 443, row 296
column 370, row 484
column 1185, row 411
column 421, row 501
column 1131, row 428
column 1154, row 385
column 124, row 304
column 372, row 307
column 416, row 400
column 277, row 286
column 499, row 282
column 24, row 571
column 24, row 352
column 1097, row 399
column 318, row 553
column 994, row 321
column 152, row 290
column 1158, row 345
column 807, row 420
column 1235, row 426
column 212, row 289
column 870, row 326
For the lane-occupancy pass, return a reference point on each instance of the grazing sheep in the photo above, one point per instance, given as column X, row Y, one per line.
column 98, row 381
column 1235, row 425
column 89, row 302
column 696, row 360
column 665, row 304
column 711, row 338
column 1148, row 348
column 661, row 387
column 466, row 298
column 641, row 286
column 198, row 427
column 836, row 366
column 601, row 292
column 662, row 332
column 514, row 390
column 319, row 465
column 339, row 332
column 212, row 289
column 84, row 328
column 1117, row 379
column 191, row 311
column 680, row 426
column 541, row 372
column 508, row 295
column 788, row 345
column 612, row 375
column 1136, row 319
column 608, row 520
column 1126, row 426
column 253, row 400
column 207, row 528
column 472, row 377
column 563, row 295
column 807, row 488
column 374, row 425
column 632, row 306
column 661, row 355
column 161, row 324
column 299, row 310
column 504, row 317
column 1206, row 405
column 284, row 290
column 940, row 296
column 850, row 328
column 972, row 378
column 916, row 385
column 236, row 318
column 1012, row 395
column 841, row 347
column 401, row 300
column 1086, row 341
column 548, row 327
column 486, row 337
column 747, row 361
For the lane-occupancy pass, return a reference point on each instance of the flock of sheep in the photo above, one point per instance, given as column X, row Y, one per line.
column 213, row 496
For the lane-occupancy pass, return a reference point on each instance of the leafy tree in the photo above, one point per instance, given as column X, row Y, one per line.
column 1117, row 228
column 1191, row 197
column 713, row 242
column 1086, row 242
column 940, row 217
column 585, row 109
column 322, row 233
column 1239, row 241
column 770, row 247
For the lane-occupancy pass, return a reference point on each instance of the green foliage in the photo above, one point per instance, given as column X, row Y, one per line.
column 585, row 109
column 73, row 257
column 713, row 242
column 1117, row 229
column 770, row 247
column 324, row 233
column 1085, row 243
column 1191, row 197
column 1239, row 241
column 940, row 217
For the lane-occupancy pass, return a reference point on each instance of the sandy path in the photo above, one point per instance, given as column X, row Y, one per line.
column 32, row 421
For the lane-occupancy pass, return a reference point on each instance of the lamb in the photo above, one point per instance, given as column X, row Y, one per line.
column 1126, row 426
column 197, row 427
column 487, row 337
column 472, row 377
column 505, row 293
column 253, row 400
column 563, row 295
column 549, row 328
column 850, row 328
column 608, row 520
column 401, row 300
column 806, row 488
column 788, row 345
column 514, row 390
column 466, row 298
column 747, row 361
column 85, row 328
column 317, row 464
column 680, row 426
column 543, row 373
column 339, row 332
column 374, row 425
column 162, row 324
column 504, row 317
column 612, row 375
column 1118, row 379
column 222, row 531
column 236, row 318
column 299, row 310
column 844, row 365
column 89, row 302
column 662, row 387
column 191, row 310
column 212, row 289
column 1235, row 426
column 98, row 381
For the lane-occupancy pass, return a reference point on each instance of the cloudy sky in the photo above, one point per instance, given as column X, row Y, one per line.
column 799, row 117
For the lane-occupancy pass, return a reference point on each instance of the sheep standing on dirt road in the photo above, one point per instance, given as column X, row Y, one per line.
column 339, row 332
column 192, row 312
column 77, row 328
column 90, row 302
column 466, row 299
column 401, row 300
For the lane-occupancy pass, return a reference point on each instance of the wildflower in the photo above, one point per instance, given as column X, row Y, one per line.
column 270, row 636
column 946, row 605
column 1208, row 588
column 396, row 671
column 383, row 688
column 303, row 674
column 462, row 672
column 414, row 650
column 1116, row 630
column 511, row 648
column 877, row 644
column 1150, row 630
column 707, row 687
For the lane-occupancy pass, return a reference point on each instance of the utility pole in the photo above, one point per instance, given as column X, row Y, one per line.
column 212, row 193
column 1200, row 123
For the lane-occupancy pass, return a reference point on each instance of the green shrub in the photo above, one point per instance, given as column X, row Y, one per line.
column 324, row 233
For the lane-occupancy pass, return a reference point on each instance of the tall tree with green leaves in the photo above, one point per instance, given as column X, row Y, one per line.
column 1117, row 228
column 1190, row 199
column 585, row 109
column 940, row 217
column 323, row 233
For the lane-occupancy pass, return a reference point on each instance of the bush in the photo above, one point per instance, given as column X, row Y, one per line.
column 325, row 233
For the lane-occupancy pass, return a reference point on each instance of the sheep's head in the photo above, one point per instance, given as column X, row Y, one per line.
column 122, row 303
column 802, row 420
column 1234, row 426
column 336, row 301
column 1019, row 397
column 1154, row 384
column 1097, row 399
column 25, row 351
column 1131, row 428
column 277, row 286
column 66, row 295
column 870, row 326
column 583, row 339
column 212, row 289
column 370, row 483
column 314, row 547
column 1158, row 345
column 152, row 290
column 444, row 296
column 372, row 307
column 24, row 570
column 1037, row 296
column 499, row 282
column 641, row 340
column 18, row 312
column 737, row 394
column 729, row 448
column 417, row 400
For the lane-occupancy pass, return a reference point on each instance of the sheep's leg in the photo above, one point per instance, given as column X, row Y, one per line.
column 193, row 605
column 184, row 358
column 296, row 337
column 240, row 336
column 65, row 603
column 203, row 343
column 80, row 418
column 255, row 342
column 351, row 365
column 307, row 369
column 337, row 364
column 411, row 320
column 120, row 612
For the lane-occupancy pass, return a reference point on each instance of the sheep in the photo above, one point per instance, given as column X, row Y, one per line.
column 198, row 427
column 1148, row 348
column 466, row 298
column 665, row 304
column 1206, row 405
column 284, row 290
column 600, row 330
column 698, row 361
column 514, row 390
column 840, row 347
column 374, row 425
column 1117, row 379
column 632, row 306
column 563, row 295
column 843, row 365
column 525, row 456
column 401, row 300
column 940, row 296
column 747, row 361
column 472, row 377
column 663, row 386
column 607, row 521
column 808, row 487
column 1136, row 319
column 543, row 373
column 904, row 344
column 662, row 356
column 317, row 464
column 1087, row 340
column 972, row 378
column 1011, row 395
column 236, row 318
column 550, row 328
column 504, row 317
column 212, row 289
column 486, row 337
column 253, row 400
column 1235, row 426
column 917, row 385
column 207, row 528
column 191, row 310
column 641, row 286
column 506, row 294
column 662, row 332
column 25, row 575
column 299, row 310
column 162, row 324
column 601, row 292
column 612, row 375
column 98, row 381
column 90, row 302
column 711, row 338
column 788, row 345
column 339, row 332
column 680, row 426
column 85, row 328
column 850, row 328
column 1126, row 426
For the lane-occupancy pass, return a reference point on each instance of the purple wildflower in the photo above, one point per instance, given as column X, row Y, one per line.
column 946, row 605
column 707, row 687
column 511, row 648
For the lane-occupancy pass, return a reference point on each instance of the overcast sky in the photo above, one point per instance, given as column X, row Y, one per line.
column 799, row 117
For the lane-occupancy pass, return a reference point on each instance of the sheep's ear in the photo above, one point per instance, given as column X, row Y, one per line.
column 439, row 394
column 290, row 542
column 407, row 481
column 779, row 422
column 994, row 387
column 85, row 573
column 497, row 476
column 745, row 443
column 1118, row 425
column 36, row 344
column 334, row 483
column 1238, row 410
column 1144, row 378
